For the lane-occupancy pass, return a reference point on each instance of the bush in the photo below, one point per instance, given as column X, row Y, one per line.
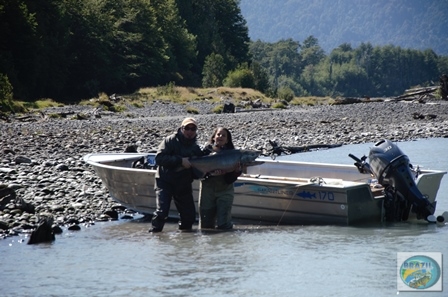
column 43, row 103
column 192, row 110
column 117, row 108
column 218, row 109
column 278, row 105
column 54, row 116
column 285, row 93
column 240, row 78
column 138, row 104
column 6, row 94
column 5, row 88
column 168, row 90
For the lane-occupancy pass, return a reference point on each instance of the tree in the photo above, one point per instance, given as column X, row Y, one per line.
column 342, row 54
column 261, row 78
column 51, row 63
column 363, row 55
column 219, row 28
column 311, row 52
column 19, row 46
column 349, row 80
column 213, row 73
column 286, row 58
column 181, row 44
column 442, row 65
column 277, row 59
column 292, row 84
column 145, row 50
column 89, row 49
column 6, row 93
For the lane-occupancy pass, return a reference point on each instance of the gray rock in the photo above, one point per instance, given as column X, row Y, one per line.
column 58, row 183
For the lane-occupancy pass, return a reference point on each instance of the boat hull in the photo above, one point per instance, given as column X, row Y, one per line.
column 270, row 193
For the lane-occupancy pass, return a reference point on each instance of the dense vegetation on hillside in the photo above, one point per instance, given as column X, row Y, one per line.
column 304, row 69
column 414, row 24
column 70, row 50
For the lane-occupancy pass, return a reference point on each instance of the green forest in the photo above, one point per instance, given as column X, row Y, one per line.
column 70, row 50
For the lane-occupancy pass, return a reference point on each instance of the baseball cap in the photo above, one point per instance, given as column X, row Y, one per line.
column 188, row 121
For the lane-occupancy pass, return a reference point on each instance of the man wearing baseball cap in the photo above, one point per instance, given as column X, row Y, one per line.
column 174, row 176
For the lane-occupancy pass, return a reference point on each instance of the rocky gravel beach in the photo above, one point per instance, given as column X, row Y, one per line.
column 42, row 173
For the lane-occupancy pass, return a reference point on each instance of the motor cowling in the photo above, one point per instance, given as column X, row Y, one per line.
column 384, row 159
column 392, row 167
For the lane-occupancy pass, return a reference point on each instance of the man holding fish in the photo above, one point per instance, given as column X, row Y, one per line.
column 179, row 160
column 174, row 184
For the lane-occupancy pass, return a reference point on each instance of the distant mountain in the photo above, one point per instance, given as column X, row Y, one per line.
column 414, row 24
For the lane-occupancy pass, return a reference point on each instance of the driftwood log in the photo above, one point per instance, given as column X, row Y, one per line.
column 422, row 94
column 37, row 116
column 277, row 150
column 416, row 93
column 352, row 100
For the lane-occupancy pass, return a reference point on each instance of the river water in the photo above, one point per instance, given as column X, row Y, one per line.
column 121, row 259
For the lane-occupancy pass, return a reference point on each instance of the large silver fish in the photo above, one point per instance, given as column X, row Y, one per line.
column 225, row 161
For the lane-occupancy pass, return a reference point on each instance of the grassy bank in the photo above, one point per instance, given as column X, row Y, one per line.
column 168, row 93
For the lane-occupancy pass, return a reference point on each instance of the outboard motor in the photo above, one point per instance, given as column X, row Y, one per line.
column 393, row 171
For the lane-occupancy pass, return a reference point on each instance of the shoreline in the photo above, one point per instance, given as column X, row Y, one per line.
column 42, row 160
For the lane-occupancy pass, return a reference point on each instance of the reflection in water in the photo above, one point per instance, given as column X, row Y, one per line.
column 121, row 258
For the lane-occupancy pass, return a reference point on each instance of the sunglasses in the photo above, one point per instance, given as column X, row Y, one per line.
column 190, row 129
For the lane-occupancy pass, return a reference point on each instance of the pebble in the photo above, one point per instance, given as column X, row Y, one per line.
column 42, row 160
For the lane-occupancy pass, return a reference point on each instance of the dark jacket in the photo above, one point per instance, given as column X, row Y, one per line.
column 169, row 158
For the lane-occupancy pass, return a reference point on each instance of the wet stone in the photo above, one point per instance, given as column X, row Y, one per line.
column 50, row 174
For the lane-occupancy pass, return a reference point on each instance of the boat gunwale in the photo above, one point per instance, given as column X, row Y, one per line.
column 127, row 156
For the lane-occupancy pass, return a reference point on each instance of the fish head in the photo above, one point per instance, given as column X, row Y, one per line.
column 248, row 156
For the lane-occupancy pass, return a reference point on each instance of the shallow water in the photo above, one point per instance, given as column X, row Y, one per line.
column 121, row 259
